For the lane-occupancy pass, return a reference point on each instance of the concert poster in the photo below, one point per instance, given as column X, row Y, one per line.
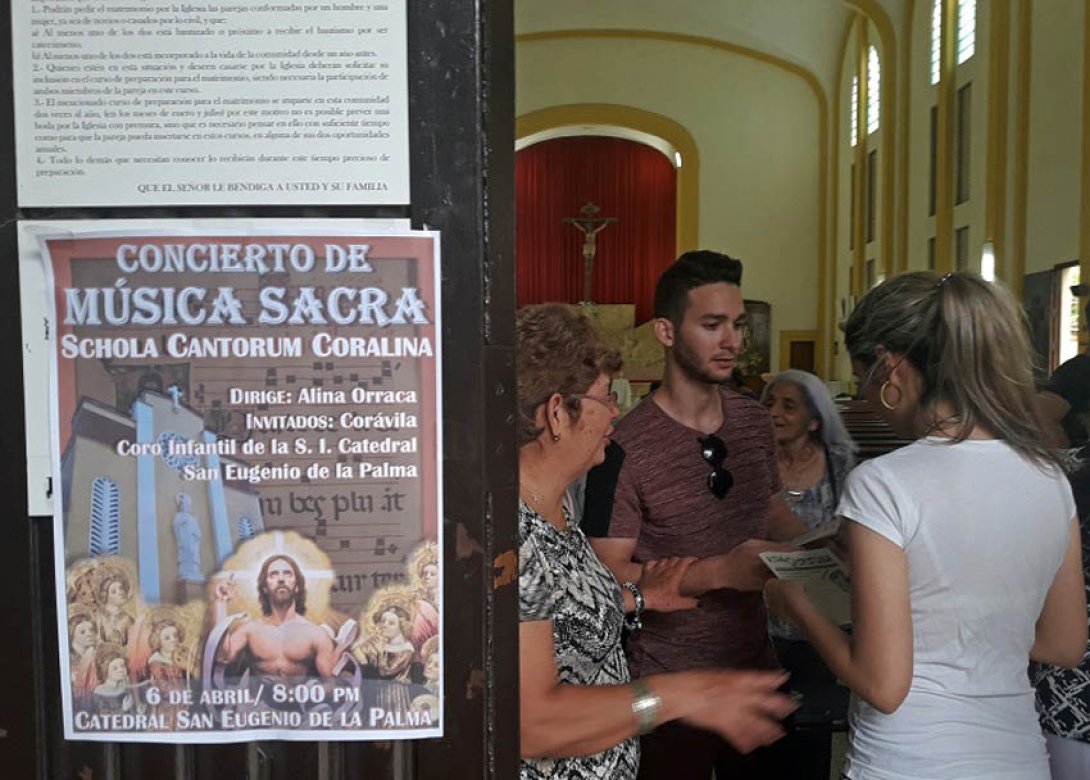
column 246, row 450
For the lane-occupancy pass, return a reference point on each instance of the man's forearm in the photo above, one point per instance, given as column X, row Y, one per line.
column 704, row 575
column 718, row 572
column 739, row 569
column 729, row 570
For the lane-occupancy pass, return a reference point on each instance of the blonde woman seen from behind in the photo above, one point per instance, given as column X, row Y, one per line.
column 963, row 545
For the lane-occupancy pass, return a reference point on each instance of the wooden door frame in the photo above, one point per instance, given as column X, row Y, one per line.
column 788, row 336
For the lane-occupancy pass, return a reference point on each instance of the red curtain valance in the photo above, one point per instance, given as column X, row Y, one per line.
column 636, row 183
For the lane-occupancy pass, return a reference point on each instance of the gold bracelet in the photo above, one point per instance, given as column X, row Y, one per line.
column 645, row 706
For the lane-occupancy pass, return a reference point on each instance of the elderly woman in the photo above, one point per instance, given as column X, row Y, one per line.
column 963, row 545
column 579, row 712
column 814, row 452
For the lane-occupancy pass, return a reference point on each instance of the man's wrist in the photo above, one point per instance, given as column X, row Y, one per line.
column 728, row 571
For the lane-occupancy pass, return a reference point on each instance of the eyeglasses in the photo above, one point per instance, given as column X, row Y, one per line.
column 608, row 401
column 714, row 452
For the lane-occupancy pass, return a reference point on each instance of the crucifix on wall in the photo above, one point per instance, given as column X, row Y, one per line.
column 590, row 225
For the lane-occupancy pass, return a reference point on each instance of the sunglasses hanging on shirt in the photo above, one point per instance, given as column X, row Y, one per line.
column 714, row 451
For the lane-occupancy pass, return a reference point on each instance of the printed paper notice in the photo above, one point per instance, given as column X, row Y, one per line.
column 241, row 102
column 821, row 576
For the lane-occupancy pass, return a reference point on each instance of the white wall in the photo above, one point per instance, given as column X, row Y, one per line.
column 756, row 128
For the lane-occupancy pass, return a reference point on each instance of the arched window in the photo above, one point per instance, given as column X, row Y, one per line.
column 936, row 41
column 105, row 534
column 966, row 29
column 966, row 42
column 855, row 111
column 874, row 89
column 245, row 529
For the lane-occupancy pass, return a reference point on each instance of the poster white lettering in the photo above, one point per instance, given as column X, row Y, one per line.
column 247, row 429
column 227, row 102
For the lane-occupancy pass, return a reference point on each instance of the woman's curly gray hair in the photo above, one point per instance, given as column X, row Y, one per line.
column 557, row 351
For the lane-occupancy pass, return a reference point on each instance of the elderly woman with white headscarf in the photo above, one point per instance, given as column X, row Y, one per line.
column 814, row 451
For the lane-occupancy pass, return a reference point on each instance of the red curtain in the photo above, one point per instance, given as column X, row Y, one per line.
column 628, row 180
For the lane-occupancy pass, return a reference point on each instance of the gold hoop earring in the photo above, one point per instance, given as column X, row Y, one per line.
column 882, row 396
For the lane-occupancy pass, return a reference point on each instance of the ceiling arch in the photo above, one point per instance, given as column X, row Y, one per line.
column 668, row 150
column 801, row 32
column 646, row 122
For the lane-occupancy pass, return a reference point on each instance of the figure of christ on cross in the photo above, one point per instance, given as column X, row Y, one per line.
column 590, row 226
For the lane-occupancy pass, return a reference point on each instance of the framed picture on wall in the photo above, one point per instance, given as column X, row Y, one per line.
column 756, row 357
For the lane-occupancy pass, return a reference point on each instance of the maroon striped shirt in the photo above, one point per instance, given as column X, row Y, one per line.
column 661, row 498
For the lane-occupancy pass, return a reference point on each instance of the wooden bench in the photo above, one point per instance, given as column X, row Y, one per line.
column 869, row 431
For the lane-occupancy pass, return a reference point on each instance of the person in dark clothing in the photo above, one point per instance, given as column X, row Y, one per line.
column 1063, row 695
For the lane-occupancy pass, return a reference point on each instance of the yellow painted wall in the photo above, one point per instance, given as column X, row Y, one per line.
column 975, row 71
column 1055, row 132
column 845, row 256
column 922, row 96
column 756, row 127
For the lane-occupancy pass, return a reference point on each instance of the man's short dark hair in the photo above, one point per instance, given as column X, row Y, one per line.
column 691, row 270
column 300, row 585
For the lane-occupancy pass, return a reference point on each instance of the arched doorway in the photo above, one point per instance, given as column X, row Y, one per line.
column 631, row 182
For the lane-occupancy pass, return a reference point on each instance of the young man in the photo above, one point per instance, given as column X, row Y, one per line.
column 693, row 473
